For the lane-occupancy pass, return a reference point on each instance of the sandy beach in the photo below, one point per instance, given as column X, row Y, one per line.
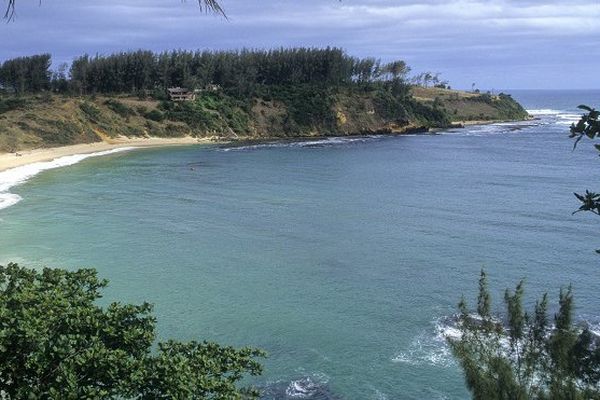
column 12, row 160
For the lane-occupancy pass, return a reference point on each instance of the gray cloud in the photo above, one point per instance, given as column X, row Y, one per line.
column 497, row 44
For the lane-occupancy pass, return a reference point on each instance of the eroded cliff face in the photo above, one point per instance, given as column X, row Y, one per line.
column 50, row 120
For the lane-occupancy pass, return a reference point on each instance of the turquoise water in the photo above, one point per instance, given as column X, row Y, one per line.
column 343, row 258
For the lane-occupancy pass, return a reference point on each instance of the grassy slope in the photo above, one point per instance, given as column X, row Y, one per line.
column 51, row 120
column 466, row 106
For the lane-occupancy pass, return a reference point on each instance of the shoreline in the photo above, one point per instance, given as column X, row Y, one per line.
column 26, row 157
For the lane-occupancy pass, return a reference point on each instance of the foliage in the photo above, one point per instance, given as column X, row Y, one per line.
column 209, row 112
column 525, row 357
column 391, row 99
column 26, row 74
column 505, row 106
column 90, row 110
column 154, row 115
column 588, row 126
column 56, row 343
column 11, row 103
column 429, row 116
column 120, row 108
column 57, row 132
column 194, row 116
column 308, row 105
column 238, row 71
column 301, row 91
column 205, row 5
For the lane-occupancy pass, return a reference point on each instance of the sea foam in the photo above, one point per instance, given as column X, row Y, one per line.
column 18, row 175
column 544, row 111
column 322, row 142
column 558, row 117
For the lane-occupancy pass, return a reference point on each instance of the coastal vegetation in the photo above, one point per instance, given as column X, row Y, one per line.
column 525, row 355
column 285, row 93
column 56, row 342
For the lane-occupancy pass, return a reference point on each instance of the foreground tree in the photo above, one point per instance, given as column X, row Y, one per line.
column 588, row 126
column 524, row 355
column 56, row 343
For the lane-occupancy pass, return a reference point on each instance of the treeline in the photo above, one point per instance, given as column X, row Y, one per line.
column 239, row 71
column 26, row 74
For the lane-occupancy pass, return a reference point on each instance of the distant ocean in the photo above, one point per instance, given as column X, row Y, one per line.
column 344, row 258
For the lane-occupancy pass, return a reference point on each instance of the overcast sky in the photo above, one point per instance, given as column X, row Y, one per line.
column 537, row 44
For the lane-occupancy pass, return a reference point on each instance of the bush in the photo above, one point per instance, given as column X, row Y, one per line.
column 308, row 105
column 154, row 115
column 57, row 343
column 91, row 111
column 120, row 108
column 12, row 103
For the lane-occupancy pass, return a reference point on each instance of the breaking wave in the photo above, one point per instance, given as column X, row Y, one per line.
column 309, row 387
column 558, row 117
column 324, row 142
column 430, row 347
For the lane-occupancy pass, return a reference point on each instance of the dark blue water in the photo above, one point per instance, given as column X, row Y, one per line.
column 341, row 257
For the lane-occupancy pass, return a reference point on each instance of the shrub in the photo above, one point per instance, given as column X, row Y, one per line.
column 91, row 111
column 56, row 342
column 12, row 103
column 154, row 115
column 120, row 108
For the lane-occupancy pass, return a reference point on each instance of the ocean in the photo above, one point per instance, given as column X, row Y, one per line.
column 343, row 258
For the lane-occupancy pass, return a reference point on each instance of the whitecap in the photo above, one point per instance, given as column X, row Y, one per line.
column 567, row 118
column 544, row 111
column 302, row 388
column 321, row 142
column 18, row 175
column 429, row 347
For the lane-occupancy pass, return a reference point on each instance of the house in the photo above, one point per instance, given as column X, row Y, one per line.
column 181, row 94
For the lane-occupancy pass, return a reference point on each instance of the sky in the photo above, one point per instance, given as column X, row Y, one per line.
column 503, row 44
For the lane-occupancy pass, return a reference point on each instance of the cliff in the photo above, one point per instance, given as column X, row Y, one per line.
column 48, row 120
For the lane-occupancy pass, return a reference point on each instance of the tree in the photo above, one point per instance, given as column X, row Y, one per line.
column 205, row 5
column 523, row 356
column 56, row 343
column 26, row 74
column 397, row 69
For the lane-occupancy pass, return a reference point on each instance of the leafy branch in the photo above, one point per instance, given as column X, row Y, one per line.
column 205, row 5
column 587, row 126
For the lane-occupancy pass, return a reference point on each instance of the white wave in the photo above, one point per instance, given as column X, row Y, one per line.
column 567, row 119
column 307, row 387
column 8, row 199
column 560, row 117
column 430, row 347
column 18, row 175
column 544, row 111
column 330, row 141
column 301, row 388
